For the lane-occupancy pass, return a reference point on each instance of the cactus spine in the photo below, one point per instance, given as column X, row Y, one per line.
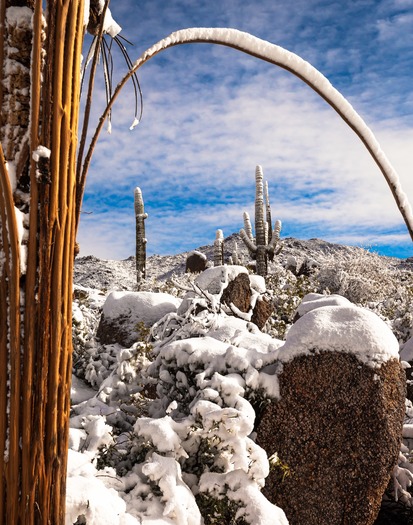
column 219, row 248
column 259, row 248
column 141, row 241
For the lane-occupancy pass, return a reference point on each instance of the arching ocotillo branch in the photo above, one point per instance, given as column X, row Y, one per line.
column 294, row 64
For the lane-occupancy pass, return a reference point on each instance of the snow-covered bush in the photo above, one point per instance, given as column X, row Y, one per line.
column 86, row 311
column 286, row 291
column 187, row 457
column 398, row 307
column 360, row 276
column 203, row 421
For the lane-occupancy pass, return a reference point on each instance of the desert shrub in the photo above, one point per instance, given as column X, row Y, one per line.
column 398, row 308
column 286, row 291
column 202, row 418
column 360, row 276
column 87, row 308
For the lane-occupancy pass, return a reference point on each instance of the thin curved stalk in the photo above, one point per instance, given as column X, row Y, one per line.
column 134, row 78
column 12, row 352
column 88, row 107
column 290, row 62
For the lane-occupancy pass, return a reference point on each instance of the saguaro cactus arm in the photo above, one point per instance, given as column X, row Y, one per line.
column 274, row 240
column 247, row 226
column 268, row 209
column 252, row 248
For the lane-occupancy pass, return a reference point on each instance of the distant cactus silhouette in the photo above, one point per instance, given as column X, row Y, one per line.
column 259, row 248
column 141, row 241
column 219, row 248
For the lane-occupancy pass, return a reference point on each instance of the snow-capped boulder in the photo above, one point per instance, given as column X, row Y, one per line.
column 195, row 262
column 316, row 300
column 123, row 311
column 336, row 427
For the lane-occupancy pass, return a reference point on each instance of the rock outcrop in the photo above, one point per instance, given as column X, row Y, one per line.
column 123, row 311
column 196, row 262
column 336, row 428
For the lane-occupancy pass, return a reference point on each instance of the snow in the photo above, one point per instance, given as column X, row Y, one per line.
column 86, row 10
column 41, row 152
column 198, row 253
column 22, row 236
column 21, row 16
column 216, row 278
column 148, row 307
column 181, row 506
column 151, row 460
column 87, row 495
column 341, row 328
column 110, row 26
column 79, row 391
column 11, row 170
column 135, row 122
column 315, row 300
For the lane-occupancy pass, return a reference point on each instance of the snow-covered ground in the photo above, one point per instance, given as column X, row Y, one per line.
column 162, row 432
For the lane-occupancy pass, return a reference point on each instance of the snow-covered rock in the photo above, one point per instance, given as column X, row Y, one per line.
column 122, row 311
column 340, row 409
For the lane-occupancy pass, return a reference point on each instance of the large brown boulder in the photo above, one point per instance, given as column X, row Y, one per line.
column 336, row 427
column 238, row 292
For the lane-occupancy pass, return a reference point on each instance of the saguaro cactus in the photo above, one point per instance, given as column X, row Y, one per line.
column 259, row 248
column 141, row 241
column 219, row 248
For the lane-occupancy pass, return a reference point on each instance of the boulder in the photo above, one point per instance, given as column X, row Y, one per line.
column 124, row 311
column 238, row 292
column 262, row 310
column 336, row 427
column 195, row 262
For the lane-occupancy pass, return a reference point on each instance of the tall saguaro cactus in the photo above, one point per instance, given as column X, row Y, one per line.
column 141, row 241
column 260, row 248
column 219, row 248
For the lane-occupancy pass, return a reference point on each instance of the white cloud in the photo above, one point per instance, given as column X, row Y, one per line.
column 210, row 116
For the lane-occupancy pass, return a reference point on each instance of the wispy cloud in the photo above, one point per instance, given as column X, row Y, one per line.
column 211, row 115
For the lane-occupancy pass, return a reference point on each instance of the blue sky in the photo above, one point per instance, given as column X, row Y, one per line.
column 211, row 114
